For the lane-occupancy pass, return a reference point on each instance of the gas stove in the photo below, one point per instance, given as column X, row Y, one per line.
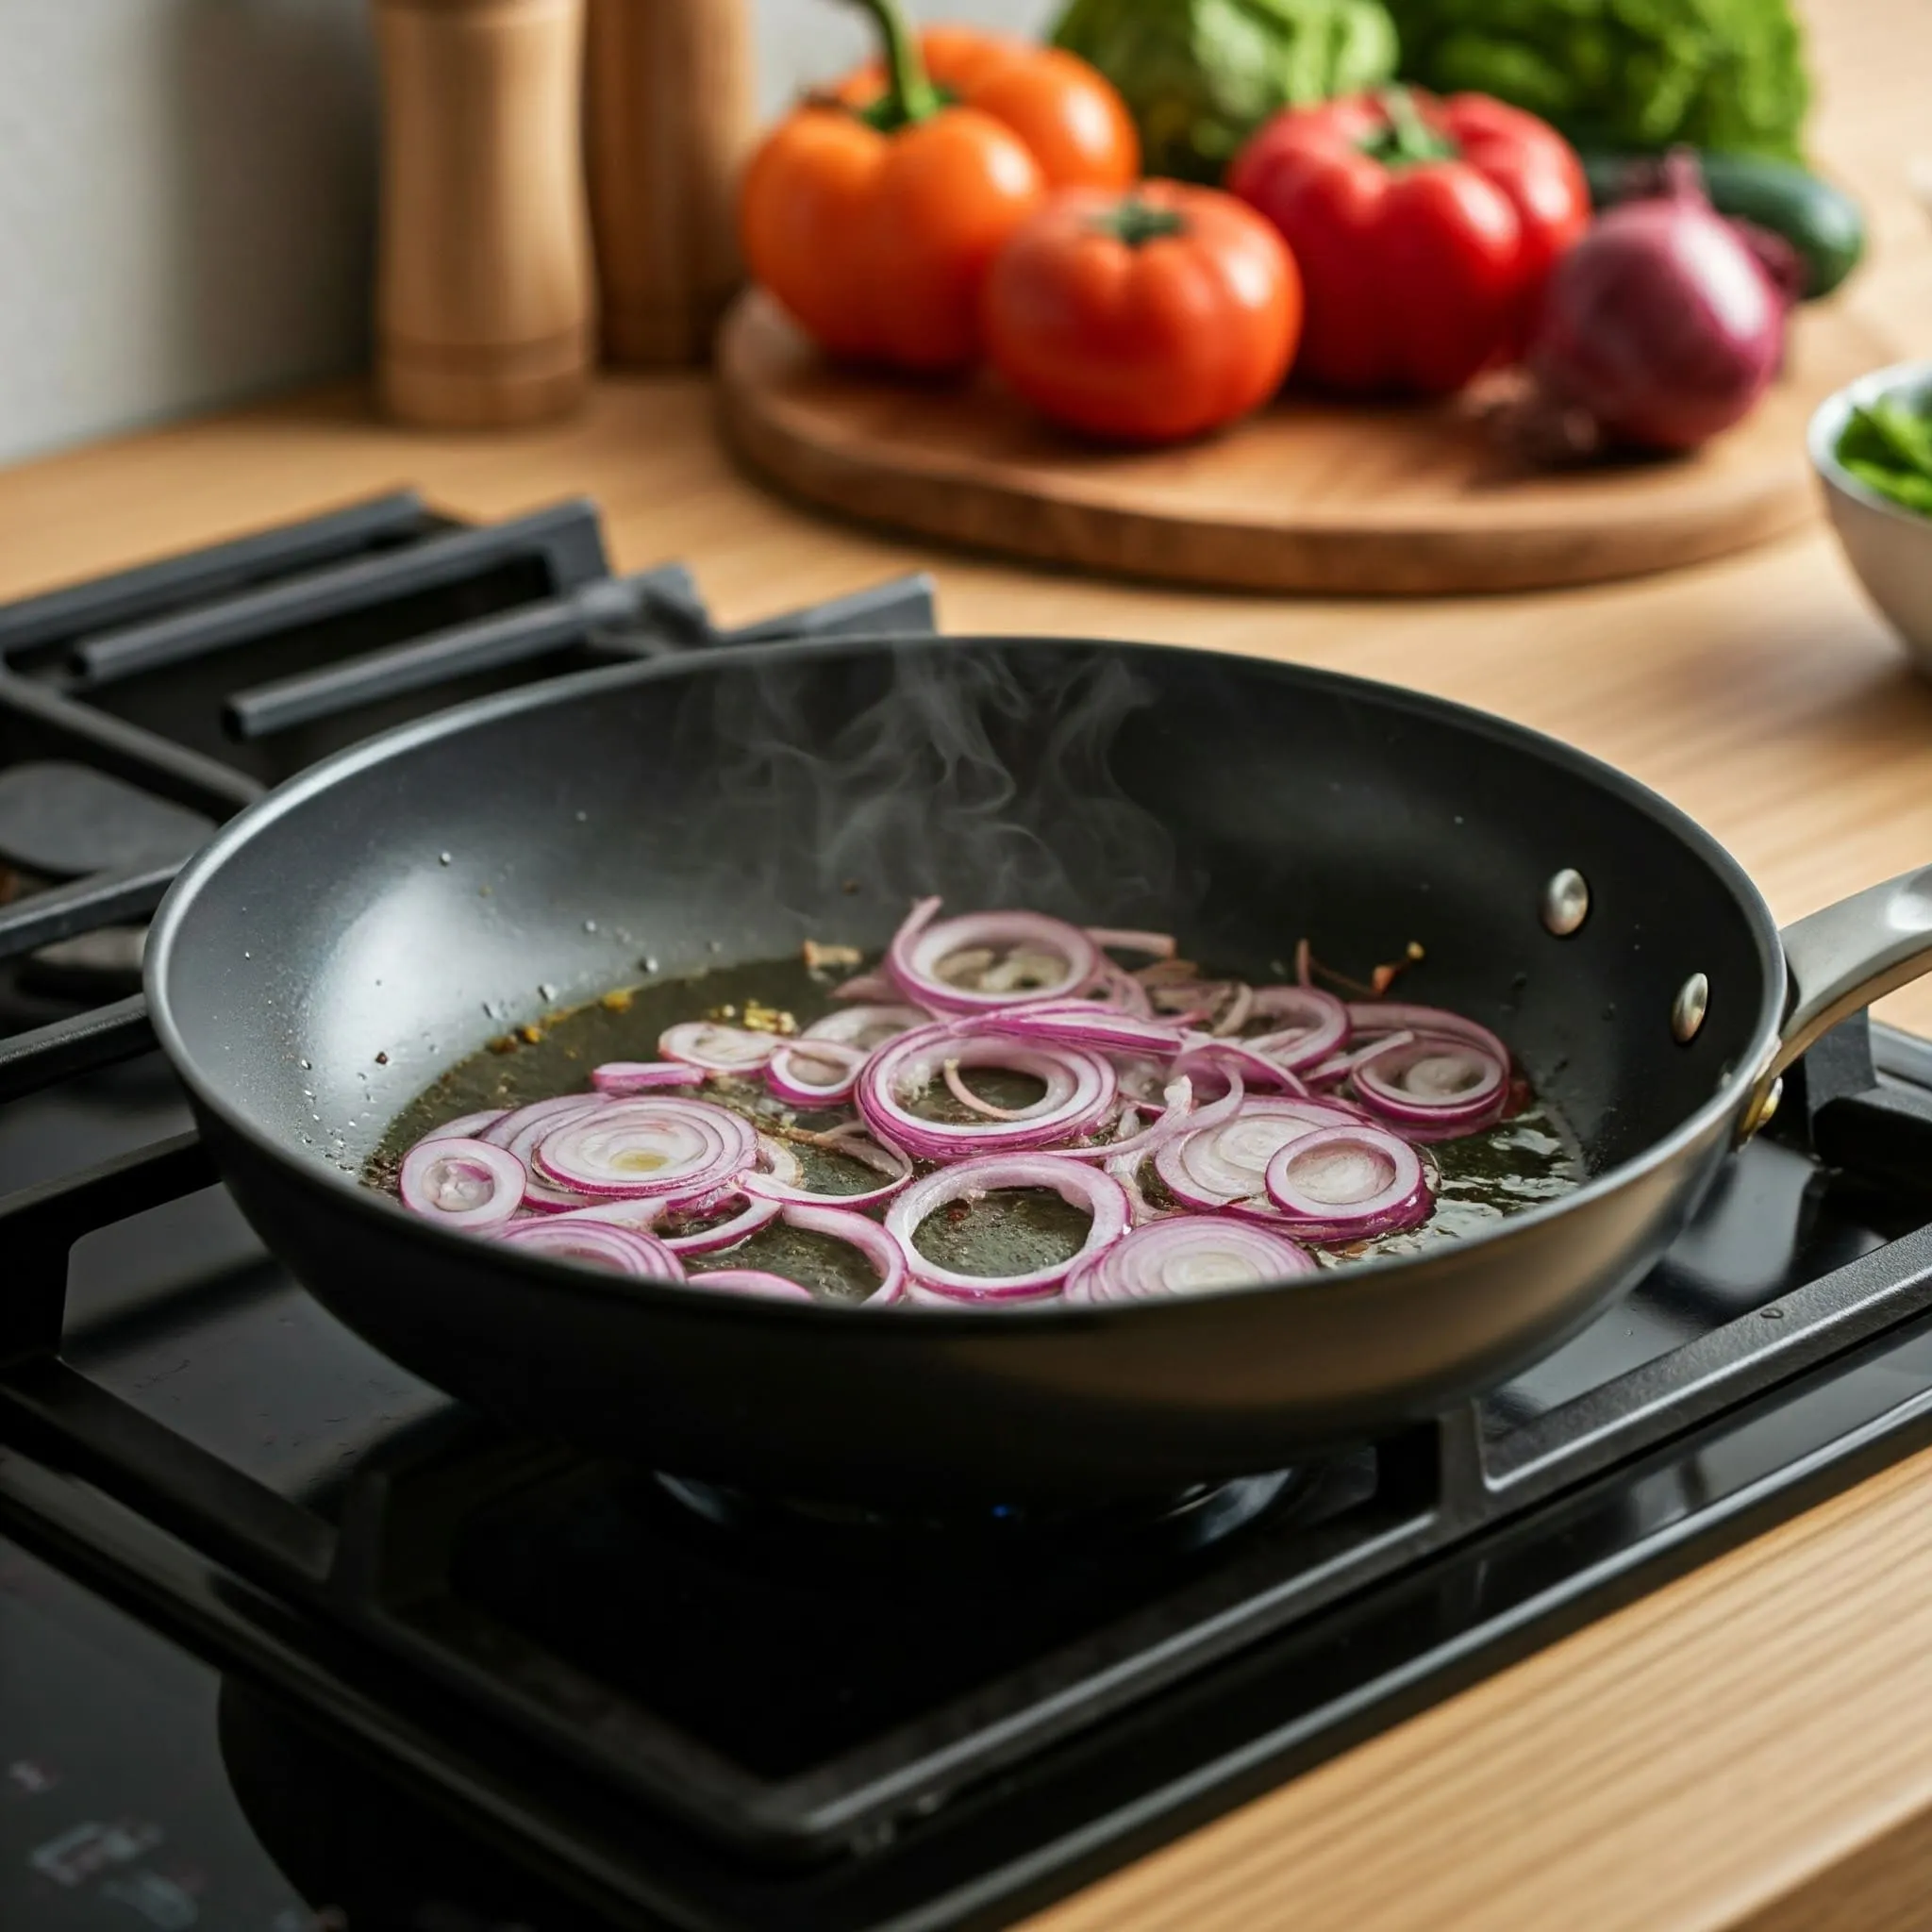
column 290, row 1641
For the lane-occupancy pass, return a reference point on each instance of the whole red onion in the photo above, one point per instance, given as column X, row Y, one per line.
column 1661, row 326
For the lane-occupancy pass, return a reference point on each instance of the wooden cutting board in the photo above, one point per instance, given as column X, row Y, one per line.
column 1389, row 498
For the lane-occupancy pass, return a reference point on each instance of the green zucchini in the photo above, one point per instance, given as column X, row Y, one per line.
column 1823, row 223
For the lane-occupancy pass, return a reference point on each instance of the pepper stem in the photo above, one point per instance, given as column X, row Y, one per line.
column 1408, row 138
column 909, row 93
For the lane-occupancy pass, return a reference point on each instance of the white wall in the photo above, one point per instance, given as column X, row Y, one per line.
column 184, row 194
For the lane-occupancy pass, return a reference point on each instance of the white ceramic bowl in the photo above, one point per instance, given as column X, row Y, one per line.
column 1889, row 546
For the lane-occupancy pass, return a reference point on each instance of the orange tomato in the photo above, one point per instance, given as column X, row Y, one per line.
column 1143, row 317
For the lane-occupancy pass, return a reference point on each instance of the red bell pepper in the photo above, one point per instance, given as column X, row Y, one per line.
column 1425, row 230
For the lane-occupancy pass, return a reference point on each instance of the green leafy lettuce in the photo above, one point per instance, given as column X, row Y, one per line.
column 1200, row 75
column 1623, row 73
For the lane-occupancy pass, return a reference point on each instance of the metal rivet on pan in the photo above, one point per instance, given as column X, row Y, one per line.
column 1768, row 1106
column 1566, row 901
column 1689, row 1008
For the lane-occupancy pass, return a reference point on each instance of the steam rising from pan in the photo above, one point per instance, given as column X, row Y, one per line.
column 991, row 777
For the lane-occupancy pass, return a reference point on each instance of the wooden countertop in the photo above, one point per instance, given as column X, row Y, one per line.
column 1745, row 1748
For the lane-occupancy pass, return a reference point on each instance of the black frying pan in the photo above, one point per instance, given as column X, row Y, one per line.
column 320, row 960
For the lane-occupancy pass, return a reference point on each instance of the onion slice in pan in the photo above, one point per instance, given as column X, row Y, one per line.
column 1080, row 1088
column 616, row 1247
column 867, row 1026
column 1372, row 1018
column 469, row 1126
column 716, row 1048
column 921, row 948
column 780, row 1176
column 1347, row 1183
column 622, row 1077
column 461, row 1182
column 756, row 1212
column 1086, row 1023
column 1435, row 1086
column 659, row 1146
column 1216, row 1166
column 1102, row 1197
column 1185, row 1255
column 815, row 1073
column 752, row 1281
column 868, row 1236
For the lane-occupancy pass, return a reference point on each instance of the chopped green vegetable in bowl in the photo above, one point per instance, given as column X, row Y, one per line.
column 1727, row 75
column 1871, row 447
column 1200, row 75
column 1887, row 444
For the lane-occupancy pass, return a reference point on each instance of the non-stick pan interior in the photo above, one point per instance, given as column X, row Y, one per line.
column 391, row 911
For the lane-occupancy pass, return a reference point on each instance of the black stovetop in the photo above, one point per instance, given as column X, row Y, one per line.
column 289, row 1640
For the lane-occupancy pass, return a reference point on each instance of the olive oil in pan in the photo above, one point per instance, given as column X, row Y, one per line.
column 1478, row 1179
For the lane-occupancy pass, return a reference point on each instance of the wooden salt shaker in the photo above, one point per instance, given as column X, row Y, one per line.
column 485, row 298
column 668, row 116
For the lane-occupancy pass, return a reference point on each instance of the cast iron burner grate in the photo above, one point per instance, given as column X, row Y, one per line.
column 686, row 1706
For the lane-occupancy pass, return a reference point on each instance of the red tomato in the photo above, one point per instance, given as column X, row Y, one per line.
column 1146, row 316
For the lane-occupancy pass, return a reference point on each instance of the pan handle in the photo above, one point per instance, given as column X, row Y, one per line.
column 1841, row 959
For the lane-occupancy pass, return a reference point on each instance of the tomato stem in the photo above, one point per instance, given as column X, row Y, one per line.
column 909, row 93
column 1135, row 221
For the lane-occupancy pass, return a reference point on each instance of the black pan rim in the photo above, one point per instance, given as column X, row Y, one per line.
column 176, row 909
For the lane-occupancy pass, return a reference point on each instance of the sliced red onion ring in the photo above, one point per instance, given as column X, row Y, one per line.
column 1119, row 988
column 1339, row 1066
column 468, row 1126
column 868, row 1236
column 756, row 1212
column 1216, row 1166
column 1081, row 1089
column 1188, row 1255
column 520, row 1129
column 1348, row 1183
column 643, row 1076
column 716, row 1048
column 867, row 1026
column 1218, row 1059
column 613, row 1246
column 922, row 946
column 1084, row 1024
column 1101, row 1195
column 1372, row 1018
column 1178, row 1116
column 1438, row 1086
column 1154, row 945
column 522, row 1123
column 461, row 1182
column 783, row 1179
column 663, row 1146
column 818, row 1072
column 1234, row 1016
column 751, row 1281
column 1310, row 1025
column 777, row 1162
column 866, row 986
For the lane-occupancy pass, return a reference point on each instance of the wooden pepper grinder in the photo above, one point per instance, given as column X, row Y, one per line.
column 485, row 298
column 668, row 116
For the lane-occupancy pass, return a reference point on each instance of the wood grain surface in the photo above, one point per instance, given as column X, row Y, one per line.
column 1307, row 495
column 1748, row 1748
